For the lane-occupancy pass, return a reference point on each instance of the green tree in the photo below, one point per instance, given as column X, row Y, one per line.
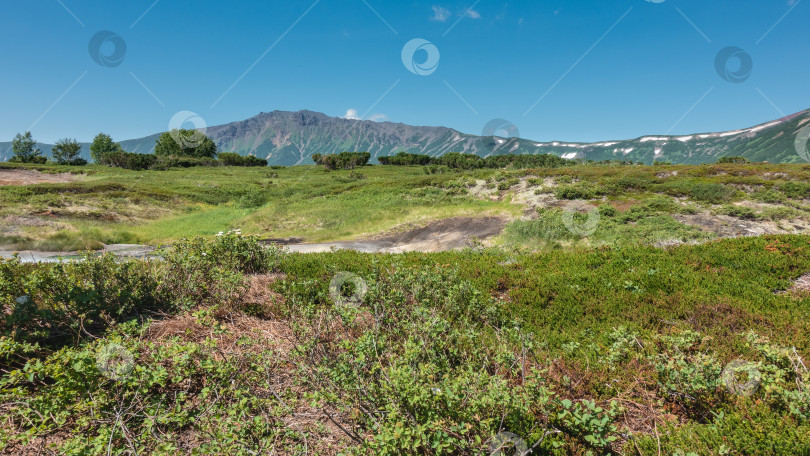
column 102, row 146
column 66, row 152
column 25, row 150
column 185, row 143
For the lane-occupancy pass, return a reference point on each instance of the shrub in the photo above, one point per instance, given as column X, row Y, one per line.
column 54, row 304
column 253, row 198
column 185, row 143
column 432, row 351
column 780, row 213
column 457, row 160
column 687, row 374
column 769, row 196
column 343, row 160
column 165, row 162
column 796, row 190
column 742, row 212
column 575, row 191
column 404, row 158
column 201, row 272
column 706, row 192
column 39, row 160
column 711, row 193
column 733, row 160
column 234, row 159
column 128, row 160
column 25, row 151
column 607, row 210
column 66, row 152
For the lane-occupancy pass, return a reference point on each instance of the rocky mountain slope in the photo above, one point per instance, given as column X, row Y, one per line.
column 289, row 138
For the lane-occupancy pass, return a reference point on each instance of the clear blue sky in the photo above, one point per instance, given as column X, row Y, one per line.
column 609, row 69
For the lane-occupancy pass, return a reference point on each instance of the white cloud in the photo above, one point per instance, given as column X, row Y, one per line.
column 473, row 14
column 440, row 14
column 351, row 114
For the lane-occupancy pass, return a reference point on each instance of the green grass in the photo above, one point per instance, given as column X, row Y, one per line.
column 203, row 221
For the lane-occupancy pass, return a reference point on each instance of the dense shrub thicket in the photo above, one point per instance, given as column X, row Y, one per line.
column 733, row 160
column 457, row 160
column 175, row 149
column 343, row 160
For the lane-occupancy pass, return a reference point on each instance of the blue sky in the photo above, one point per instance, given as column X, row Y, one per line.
column 600, row 69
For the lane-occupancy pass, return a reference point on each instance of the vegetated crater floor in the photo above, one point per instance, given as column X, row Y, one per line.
column 30, row 177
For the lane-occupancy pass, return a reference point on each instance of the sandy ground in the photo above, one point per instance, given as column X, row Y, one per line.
column 29, row 177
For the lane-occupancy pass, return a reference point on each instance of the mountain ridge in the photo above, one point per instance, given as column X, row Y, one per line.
column 292, row 137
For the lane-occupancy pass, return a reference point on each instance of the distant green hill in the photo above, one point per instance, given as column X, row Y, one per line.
column 289, row 138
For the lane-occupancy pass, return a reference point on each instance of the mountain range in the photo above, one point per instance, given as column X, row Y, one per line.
column 290, row 138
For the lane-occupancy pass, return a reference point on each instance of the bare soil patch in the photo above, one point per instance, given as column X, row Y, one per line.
column 729, row 227
column 800, row 288
column 438, row 236
column 451, row 233
column 30, row 177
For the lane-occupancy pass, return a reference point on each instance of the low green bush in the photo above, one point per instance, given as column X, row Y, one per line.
column 234, row 159
column 733, row 160
column 769, row 196
column 741, row 212
column 796, row 190
column 575, row 192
